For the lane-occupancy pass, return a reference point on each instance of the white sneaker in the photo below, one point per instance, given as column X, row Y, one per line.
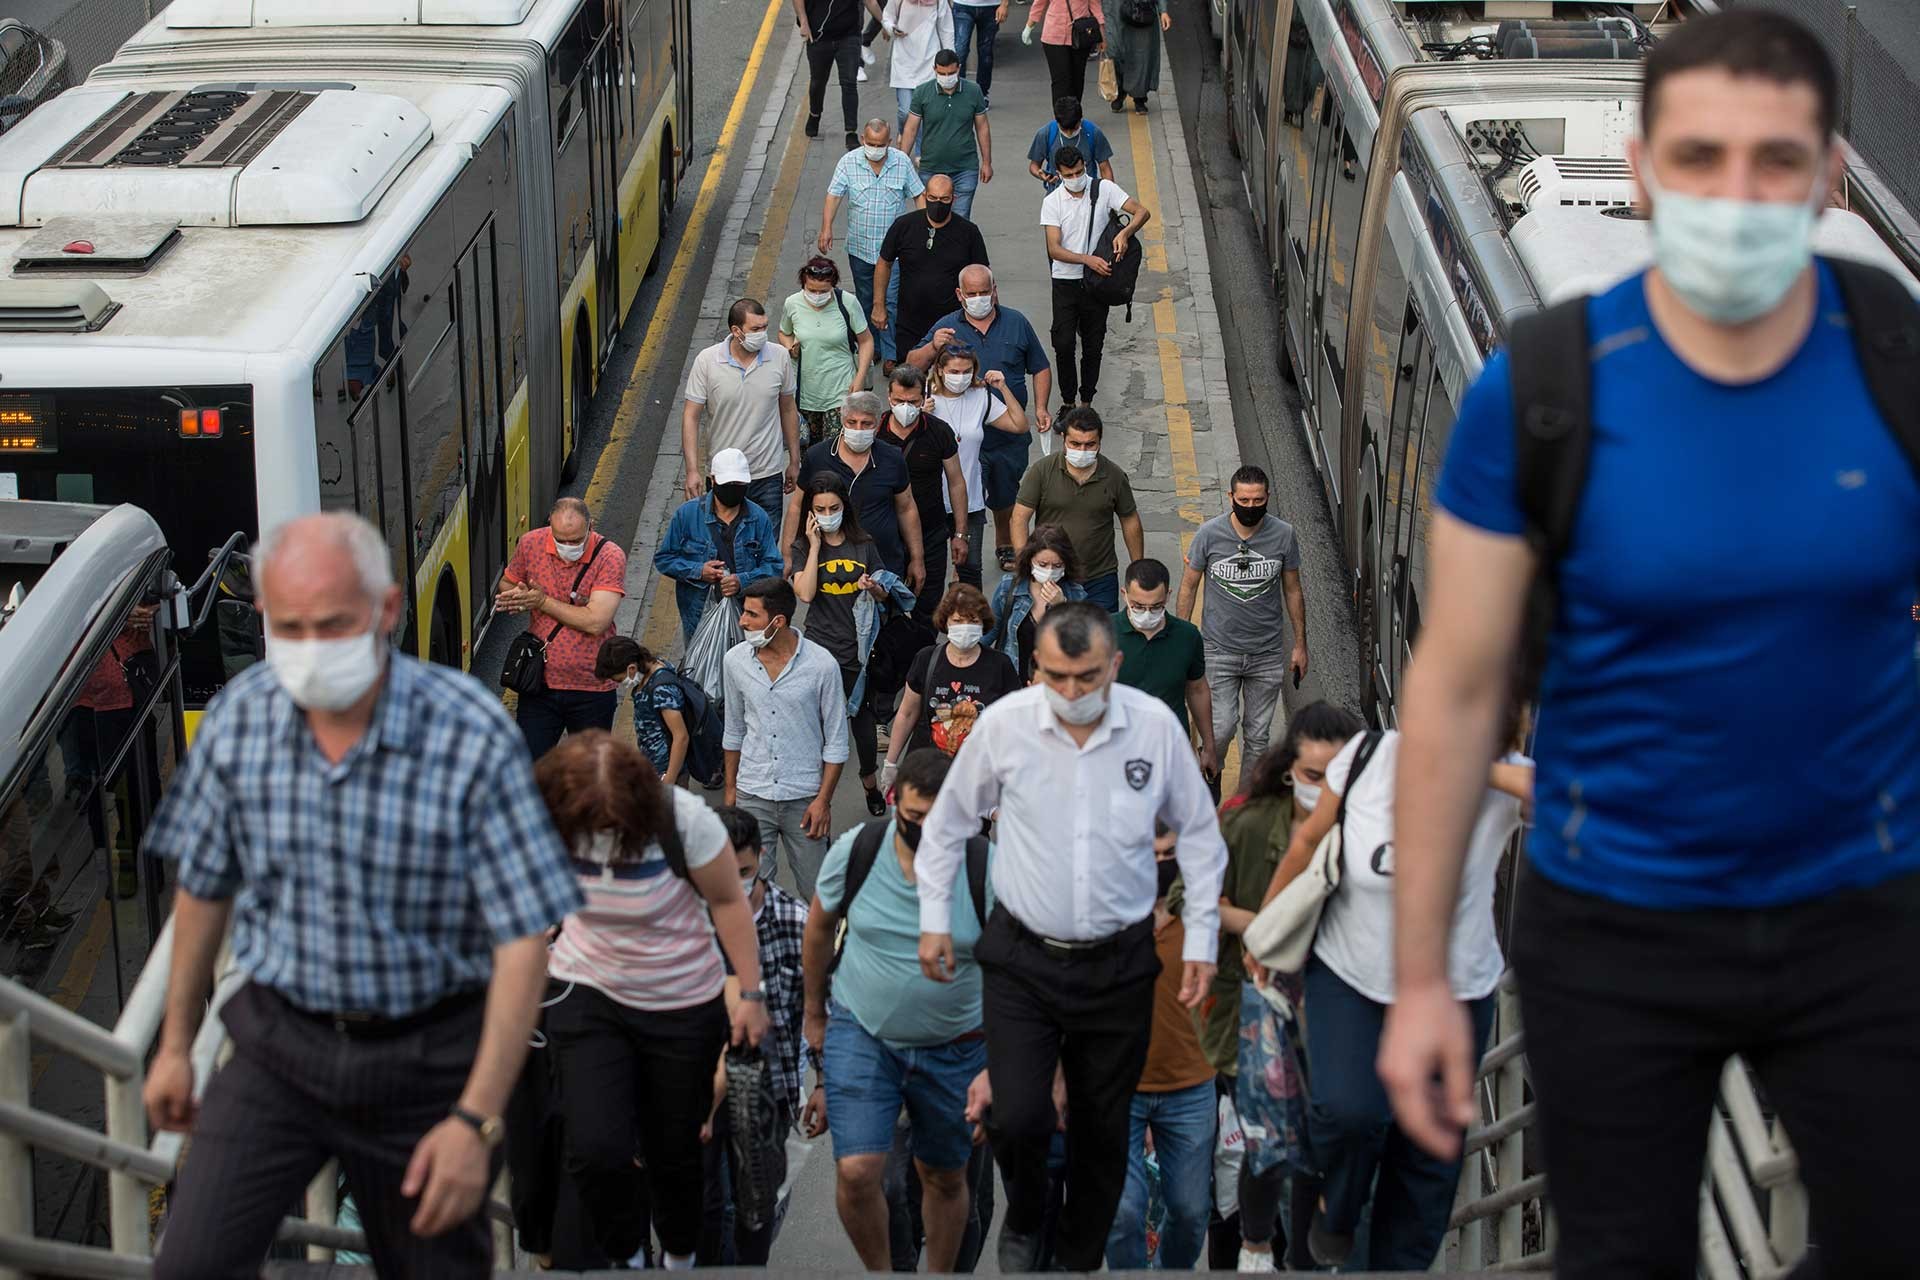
column 867, row 55
column 862, row 77
column 1251, row 1260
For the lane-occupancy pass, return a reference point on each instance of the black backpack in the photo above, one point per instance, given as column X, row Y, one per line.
column 1553, row 428
column 706, row 760
column 860, row 860
column 1115, row 289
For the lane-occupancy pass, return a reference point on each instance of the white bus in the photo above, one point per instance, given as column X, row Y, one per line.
column 288, row 255
column 1423, row 174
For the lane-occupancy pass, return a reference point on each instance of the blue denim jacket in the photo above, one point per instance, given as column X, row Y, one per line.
column 1012, row 602
column 868, row 615
column 693, row 538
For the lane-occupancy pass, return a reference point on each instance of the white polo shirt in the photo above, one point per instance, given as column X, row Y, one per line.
column 1069, row 212
column 1073, row 847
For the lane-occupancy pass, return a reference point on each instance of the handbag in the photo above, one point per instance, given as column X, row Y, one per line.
column 1281, row 935
column 1139, row 13
column 525, row 669
column 1085, row 33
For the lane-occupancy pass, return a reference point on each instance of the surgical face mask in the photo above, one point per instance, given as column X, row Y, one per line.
column 1250, row 513
column 948, row 83
column 570, row 551
column 956, row 383
column 762, row 638
column 964, row 635
column 1082, row 457
column 858, row 439
column 1085, row 709
column 979, row 307
column 1146, row 619
column 909, row 831
column 873, row 153
column 755, row 340
column 1731, row 261
column 1069, row 132
column 325, row 675
column 829, row 521
column 906, row 414
column 731, row 494
column 631, row 682
column 816, row 299
column 1049, row 573
column 1305, row 794
column 1076, row 184
column 748, row 881
column 938, row 210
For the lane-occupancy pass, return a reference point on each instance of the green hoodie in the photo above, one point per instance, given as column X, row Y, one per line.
column 1257, row 834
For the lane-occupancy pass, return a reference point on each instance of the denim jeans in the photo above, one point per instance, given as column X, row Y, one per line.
column 769, row 493
column 903, row 103
column 780, row 824
column 1246, row 691
column 982, row 25
column 548, row 716
column 1182, row 1122
column 1351, row 1130
column 869, row 1080
column 863, row 290
column 964, row 185
column 1104, row 591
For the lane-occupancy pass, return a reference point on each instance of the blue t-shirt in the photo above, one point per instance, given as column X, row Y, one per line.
column 1009, row 345
column 879, row 980
column 656, row 694
column 1730, row 715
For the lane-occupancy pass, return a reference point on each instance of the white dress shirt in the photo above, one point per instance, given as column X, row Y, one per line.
column 1074, row 841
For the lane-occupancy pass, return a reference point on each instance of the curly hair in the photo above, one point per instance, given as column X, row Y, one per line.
column 968, row 602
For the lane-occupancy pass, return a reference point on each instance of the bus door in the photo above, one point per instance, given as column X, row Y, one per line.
column 482, row 388
column 601, row 80
column 379, row 439
column 681, row 61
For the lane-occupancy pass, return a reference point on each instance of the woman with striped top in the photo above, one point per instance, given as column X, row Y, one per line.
column 636, row 1017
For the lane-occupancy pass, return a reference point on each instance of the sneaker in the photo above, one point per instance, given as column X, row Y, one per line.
column 1255, row 1260
column 1139, row 106
column 867, row 57
column 1119, row 102
column 1329, row 1248
column 41, row 939
column 1006, row 557
column 1018, row 1252
column 813, row 126
column 853, row 139
column 861, row 76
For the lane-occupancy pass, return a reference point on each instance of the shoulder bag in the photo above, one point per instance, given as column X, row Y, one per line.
column 525, row 670
column 1085, row 33
column 1281, row 935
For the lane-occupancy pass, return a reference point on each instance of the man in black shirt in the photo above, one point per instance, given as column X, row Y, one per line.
column 928, row 247
column 831, row 31
column 933, row 457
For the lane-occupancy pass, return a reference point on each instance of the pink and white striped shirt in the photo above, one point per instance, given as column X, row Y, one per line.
column 644, row 939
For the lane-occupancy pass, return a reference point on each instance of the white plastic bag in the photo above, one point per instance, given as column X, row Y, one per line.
column 706, row 659
column 1229, row 1149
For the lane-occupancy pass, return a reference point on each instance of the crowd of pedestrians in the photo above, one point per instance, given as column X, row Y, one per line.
column 1066, row 945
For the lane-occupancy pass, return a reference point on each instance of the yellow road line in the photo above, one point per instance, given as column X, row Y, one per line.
column 633, row 397
column 773, row 229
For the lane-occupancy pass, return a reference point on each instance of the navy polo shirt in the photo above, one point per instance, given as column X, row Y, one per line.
column 873, row 491
column 1009, row 345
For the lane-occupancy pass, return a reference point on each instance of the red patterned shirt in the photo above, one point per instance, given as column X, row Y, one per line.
column 570, row 653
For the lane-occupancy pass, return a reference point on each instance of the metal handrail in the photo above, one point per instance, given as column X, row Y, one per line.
column 132, row 1162
column 1753, row 1215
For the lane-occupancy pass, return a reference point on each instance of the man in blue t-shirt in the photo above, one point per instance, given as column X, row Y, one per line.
column 1068, row 128
column 1727, row 835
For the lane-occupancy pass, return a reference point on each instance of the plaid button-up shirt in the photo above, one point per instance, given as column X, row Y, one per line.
column 874, row 200
column 380, row 884
column 782, row 926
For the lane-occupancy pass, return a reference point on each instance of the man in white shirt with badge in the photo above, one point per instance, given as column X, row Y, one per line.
column 1073, row 216
column 1079, row 768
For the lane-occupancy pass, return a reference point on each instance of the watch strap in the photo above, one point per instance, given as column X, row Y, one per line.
column 490, row 1128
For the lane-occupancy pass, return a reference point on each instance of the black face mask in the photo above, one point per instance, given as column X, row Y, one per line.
column 1249, row 513
column 1168, row 871
column 909, row 832
column 730, row 495
column 938, row 211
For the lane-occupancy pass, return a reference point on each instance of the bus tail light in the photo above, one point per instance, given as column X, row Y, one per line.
column 200, row 422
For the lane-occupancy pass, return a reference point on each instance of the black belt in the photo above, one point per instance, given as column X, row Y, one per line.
column 357, row 1025
column 1064, row 949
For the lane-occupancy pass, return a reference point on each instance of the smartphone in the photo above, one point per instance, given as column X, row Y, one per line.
column 1296, row 677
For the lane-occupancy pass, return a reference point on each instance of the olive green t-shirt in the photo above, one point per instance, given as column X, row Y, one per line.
column 1085, row 512
column 947, row 144
column 1256, row 835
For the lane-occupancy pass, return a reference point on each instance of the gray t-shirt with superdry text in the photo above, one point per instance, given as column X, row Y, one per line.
column 1245, row 610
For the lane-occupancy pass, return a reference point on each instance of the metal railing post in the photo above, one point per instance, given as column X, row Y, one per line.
column 1846, row 71
column 323, row 1206
column 16, row 1159
column 127, row 1198
column 1509, row 1095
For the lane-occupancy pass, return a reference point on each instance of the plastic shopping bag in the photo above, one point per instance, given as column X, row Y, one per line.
column 719, row 630
column 1229, row 1149
column 1271, row 1093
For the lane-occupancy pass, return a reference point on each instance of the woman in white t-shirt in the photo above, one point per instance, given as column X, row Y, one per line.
column 1349, row 984
column 637, row 1017
column 920, row 29
column 971, row 406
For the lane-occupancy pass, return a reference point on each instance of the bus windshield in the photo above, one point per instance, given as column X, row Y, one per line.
column 183, row 454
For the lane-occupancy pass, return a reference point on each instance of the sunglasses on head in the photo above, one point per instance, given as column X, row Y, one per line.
column 820, row 273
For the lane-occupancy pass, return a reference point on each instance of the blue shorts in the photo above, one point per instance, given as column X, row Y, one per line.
column 868, row 1081
column 1002, row 466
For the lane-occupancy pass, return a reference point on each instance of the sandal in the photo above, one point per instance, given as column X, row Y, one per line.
column 1005, row 555
column 876, row 803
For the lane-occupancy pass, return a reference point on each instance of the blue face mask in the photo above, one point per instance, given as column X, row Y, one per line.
column 1731, row 261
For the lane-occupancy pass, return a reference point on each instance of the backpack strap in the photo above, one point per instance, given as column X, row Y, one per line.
column 669, row 837
column 1369, row 743
column 977, row 851
column 1552, row 381
column 1886, row 334
column 1053, row 142
column 840, row 301
column 1093, row 209
column 860, row 859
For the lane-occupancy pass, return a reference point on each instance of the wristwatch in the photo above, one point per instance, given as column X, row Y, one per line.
column 755, row 996
column 490, row 1128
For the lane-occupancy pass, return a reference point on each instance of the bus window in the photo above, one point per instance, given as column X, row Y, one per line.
column 434, row 425
column 1297, row 139
column 1433, row 446
column 486, row 443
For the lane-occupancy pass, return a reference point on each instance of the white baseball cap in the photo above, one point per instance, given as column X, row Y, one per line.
column 730, row 467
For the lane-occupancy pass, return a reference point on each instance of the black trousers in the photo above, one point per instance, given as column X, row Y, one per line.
column 548, row 716
column 296, row 1093
column 863, row 728
column 547, row 1213
column 1630, row 1015
column 934, row 536
column 1090, row 1012
column 1077, row 318
column 636, row 1082
column 725, row 1240
column 822, row 57
column 1067, row 69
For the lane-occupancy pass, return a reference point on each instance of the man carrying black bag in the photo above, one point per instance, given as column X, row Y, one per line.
column 1090, row 226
